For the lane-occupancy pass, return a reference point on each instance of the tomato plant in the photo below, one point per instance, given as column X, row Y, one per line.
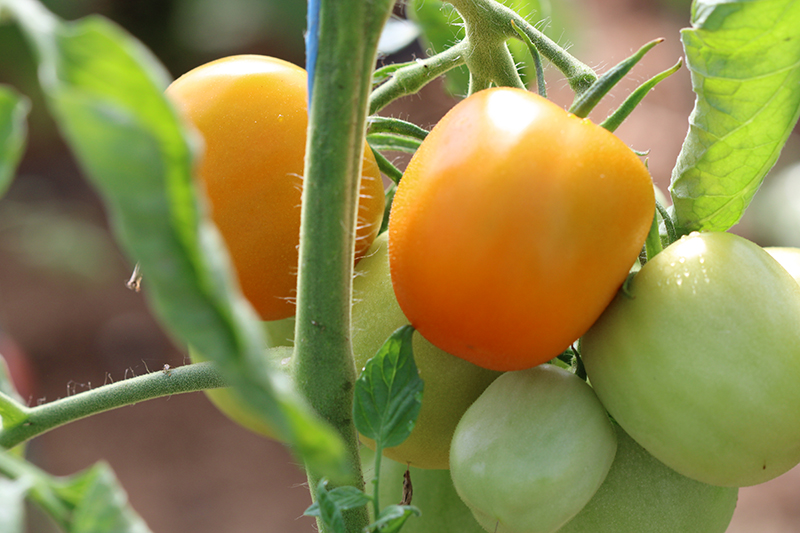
column 451, row 384
column 698, row 360
column 251, row 113
column 514, row 225
column 510, row 240
column 531, row 451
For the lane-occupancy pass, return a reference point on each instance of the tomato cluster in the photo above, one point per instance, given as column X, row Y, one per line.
column 511, row 234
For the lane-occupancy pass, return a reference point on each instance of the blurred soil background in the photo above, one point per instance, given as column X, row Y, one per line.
column 71, row 324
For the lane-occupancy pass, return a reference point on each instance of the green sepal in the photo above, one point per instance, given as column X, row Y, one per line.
column 587, row 101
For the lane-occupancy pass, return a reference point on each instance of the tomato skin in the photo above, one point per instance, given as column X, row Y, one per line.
column 512, row 228
column 700, row 364
column 252, row 113
column 451, row 384
column 642, row 495
column 531, row 451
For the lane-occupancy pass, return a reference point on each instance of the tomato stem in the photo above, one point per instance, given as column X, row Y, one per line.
column 491, row 22
column 414, row 76
column 167, row 382
column 323, row 365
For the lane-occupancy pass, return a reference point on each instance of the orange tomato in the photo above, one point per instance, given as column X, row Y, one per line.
column 252, row 113
column 513, row 227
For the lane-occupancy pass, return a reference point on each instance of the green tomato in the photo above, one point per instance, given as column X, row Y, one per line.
column 531, row 451
column 279, row 335
column 789, row 258
column 451, row 384
column 699, row 360
column 433, row 494
column 643, row 495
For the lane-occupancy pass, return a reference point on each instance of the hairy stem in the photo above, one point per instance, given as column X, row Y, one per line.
column 343, row 49
column 187, row 378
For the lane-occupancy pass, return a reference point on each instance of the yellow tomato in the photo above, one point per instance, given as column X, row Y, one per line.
column 252, row 113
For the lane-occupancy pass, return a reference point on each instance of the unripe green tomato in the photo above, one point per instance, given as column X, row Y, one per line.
column 279, row 335
column 433, row 494
column 789, row 258
column 451, row 384
column 531, row 451
column 699, row 360
column 643, row 495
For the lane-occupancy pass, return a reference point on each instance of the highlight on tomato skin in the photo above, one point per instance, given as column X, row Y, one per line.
column 252, row 114
column 513, row 227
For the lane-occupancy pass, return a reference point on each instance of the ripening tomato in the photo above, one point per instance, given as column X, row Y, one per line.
column 252, row 113
column 513, row 227
column 531, row 451
column 699, row 360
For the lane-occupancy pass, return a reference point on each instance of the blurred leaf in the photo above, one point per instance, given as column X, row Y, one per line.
column 13, row 132
column 393, row 517
column 388, row 393
column 98, row 502
column 106, row 92
column 91, row 501
column 744, row 58
column 12, row 504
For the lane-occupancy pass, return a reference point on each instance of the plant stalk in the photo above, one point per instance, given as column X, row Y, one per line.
column 343, row 50
column 43, row 418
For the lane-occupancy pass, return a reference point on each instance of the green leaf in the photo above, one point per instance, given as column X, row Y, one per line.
column 388, row 394
column 744, row 58
column 393, row 517
column 106, row 93
column 12, row 411
column 327, row 509
column 13, row 131
column 91, row 501
column 12, row 504
column 345, row 498
column 99, row 504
